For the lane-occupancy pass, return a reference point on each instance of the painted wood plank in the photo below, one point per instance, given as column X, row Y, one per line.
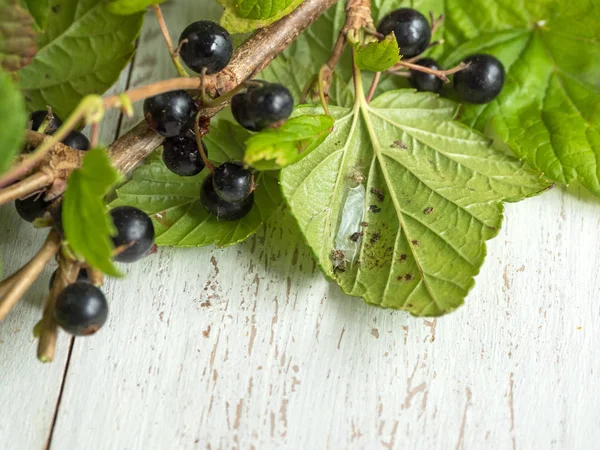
column 29, row 390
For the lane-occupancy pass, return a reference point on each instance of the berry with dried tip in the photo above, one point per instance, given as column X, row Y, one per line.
column 77, row 140
column 81, row 309
column 135, row 233
column 32, row 208
column 38, row 117
column 232, row 182
column 426, row 82
column 170, row 114
column 263, row 106
column 222, row 209
column 411, row 28
column 482, row 81
column 181, row 155
column 82, row 277
column 208, row 46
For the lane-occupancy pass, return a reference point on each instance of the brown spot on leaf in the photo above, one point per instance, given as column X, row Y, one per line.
column 354, row 237
column 400, row 144
column 375, row 237
column 378, row 193
column 408, row 277
column 403, row 257
column 415, row 242
column 364, row 224
column 374, row 209
column 428, row 210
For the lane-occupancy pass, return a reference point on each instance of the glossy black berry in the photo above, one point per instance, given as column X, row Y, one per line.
column 232, row 182
column 81, row 309
column 222, row 209
column 37, row 118
column 262, row 106
column 208, row 47
column 135, row 233
column 422, row 81
column 170, row 114
column 482, row 81
column 32, row 207
column 82, row 277
column 77, row 140
column 181, row 155
column 412, row 30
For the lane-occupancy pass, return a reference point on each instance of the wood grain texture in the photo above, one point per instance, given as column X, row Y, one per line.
column 249, row 347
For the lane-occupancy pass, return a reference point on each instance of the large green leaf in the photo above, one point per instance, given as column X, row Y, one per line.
column 173, row 202
column 88, row 227
column 13, row 119
column 242, row 16
column 398, row 202
column 85, row 47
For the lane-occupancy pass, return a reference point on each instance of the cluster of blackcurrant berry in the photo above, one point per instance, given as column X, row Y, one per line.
column 480, row 82
column 47, row 123
column 227, row 193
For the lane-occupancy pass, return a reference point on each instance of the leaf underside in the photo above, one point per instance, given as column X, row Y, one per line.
column 17, row 36
column 173, row 202
column 423, row 193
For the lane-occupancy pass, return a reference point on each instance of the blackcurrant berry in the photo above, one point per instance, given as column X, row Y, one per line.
column 232, row 182
column 208, row 47
column 135, row 233
column 181, row 155
column 222, row 209
column 82, row 277
column 422, row 81
column 412, row 30
column 170, row 114
column 77, row 140
column 482, row 81
column 262, row 106
column 37, row 118
column 81, row 309
column 31, row 208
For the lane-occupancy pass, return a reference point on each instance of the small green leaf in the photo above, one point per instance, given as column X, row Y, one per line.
column 126, row 7
column 13, row 119
column 39, row 9
column 84, row 49
column 398, row 201
column 273, row 149
column 377, row 56
column 17, row 36
column 173, row 202
column 243, row 16
column 88, row 227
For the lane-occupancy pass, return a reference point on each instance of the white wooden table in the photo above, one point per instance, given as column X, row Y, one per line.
column 249, row 347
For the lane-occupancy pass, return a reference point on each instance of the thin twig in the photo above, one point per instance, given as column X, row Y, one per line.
column 29, row 273
column 26, row 187
column 165, row 32
column 200, row 133
column 435, row 23
column 373, row 88
column 441, row 74
column 94, row 135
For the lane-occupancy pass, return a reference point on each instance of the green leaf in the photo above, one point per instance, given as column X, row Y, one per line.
column 425, row 192
column 273, row 149
column 13, row 119
column 85, row 47
column 126, row 7
column 377, row 56
column 243, row 16
column 39, row 9
column 88, row 227
column 17, row 36
column 173, row 202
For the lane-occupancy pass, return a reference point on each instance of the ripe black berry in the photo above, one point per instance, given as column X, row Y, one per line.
column 222, row 209
column 135, row 233
column 412, row 30
column 232, row 182
column 482, row 81
column 181, row 155
column 82, row 277
column 37, row 118
column 170, row 114
column 81, row 309
column 422, row 81
column 77, row 140
column 31, row 208
column 262, row 106
column 208, row 47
